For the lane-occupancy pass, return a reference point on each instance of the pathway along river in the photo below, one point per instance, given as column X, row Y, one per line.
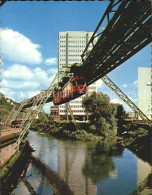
column 83, row 169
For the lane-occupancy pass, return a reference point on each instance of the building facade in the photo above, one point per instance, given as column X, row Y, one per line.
column 55, row 113
column 71, row 45
column 131, row 115
column 145, row 91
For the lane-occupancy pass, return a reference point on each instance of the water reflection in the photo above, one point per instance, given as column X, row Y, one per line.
column 54, row 180
column 72, row 157
column 99, row 163
column 83, row 168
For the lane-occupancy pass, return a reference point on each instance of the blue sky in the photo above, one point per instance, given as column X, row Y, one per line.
column 29, row 46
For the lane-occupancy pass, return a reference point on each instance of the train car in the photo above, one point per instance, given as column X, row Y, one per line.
column 74, row 88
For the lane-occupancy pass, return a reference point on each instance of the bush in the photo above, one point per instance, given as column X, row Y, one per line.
column 81, row 135
column 137, row 138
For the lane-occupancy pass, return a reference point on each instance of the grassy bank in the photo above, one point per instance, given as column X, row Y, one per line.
column 67, row 130
column 138, row 139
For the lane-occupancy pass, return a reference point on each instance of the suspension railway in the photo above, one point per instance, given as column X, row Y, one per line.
column 127, row 31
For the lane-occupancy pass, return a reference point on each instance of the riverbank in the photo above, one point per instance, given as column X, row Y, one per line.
column 138, row 138
column 83, row 165
column 68, row 130
column 135, row 137
column 12, row 170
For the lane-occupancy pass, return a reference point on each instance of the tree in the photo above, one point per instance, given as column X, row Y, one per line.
column 44, row 123
column 120, row 116
column 102, row 113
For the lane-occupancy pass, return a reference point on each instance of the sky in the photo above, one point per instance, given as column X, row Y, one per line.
column 29, row 33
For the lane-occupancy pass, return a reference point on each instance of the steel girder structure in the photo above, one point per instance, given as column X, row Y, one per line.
column 72, row 116
column 36, row 102
column 38, row 106
column 2, row 2
column 127, row 32
column 112, row 86
column 29, row 103
column 15, row 113
column 10, row 115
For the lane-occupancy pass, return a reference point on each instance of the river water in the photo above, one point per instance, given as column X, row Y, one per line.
column 83, row 168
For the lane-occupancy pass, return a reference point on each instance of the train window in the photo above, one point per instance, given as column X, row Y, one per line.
column 74, row 83
column 81, row 82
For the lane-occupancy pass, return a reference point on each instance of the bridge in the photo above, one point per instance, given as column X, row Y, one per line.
column 128, row 30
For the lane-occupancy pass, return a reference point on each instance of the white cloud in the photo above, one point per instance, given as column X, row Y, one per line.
column 125, row 106
column 50, row 61
column 118, row 101
column 27, row 94
column 18, row 48
column 52, row 70
column 19, row 84
column 17, row 71
column 115, row 100
column 41, row 75
column 8, row 92
column 124, row 85
column 17, row 75
column 135, row 83
column 99, row 83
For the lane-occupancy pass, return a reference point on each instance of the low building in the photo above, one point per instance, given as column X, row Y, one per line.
column 131, row 115
column 55, row 113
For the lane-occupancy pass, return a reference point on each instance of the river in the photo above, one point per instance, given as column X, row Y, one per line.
column 83, row 168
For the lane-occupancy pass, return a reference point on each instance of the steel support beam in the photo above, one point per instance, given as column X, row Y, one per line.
column 72, row 116
column 10, row 115
column 126, row 33
column 39, row 107
column 15, row 114
column 114, row 88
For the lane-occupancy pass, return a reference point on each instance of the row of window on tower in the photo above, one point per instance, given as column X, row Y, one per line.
column 71, row 55
column 72, row 111
column 72, row 106
column 73, row 46
column 71, row 60
column 71, row 50
column 75, row 37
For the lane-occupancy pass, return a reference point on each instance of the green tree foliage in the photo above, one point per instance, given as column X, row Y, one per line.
column 5, row 107
column 44, row 123
column 120, row 116
column 138, row 139
column 4, row 102
column 102, row 114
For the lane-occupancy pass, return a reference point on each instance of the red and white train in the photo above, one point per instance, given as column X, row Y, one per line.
column 74, row 88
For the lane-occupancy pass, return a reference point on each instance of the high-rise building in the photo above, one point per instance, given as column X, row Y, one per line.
column 71, row 45
column 145, row 91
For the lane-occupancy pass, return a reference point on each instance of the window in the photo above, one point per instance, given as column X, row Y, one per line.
column 74, row 83
column 81, row 82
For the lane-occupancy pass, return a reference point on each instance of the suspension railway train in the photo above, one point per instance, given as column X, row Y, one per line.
column 72, row 89
column 68, row 90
